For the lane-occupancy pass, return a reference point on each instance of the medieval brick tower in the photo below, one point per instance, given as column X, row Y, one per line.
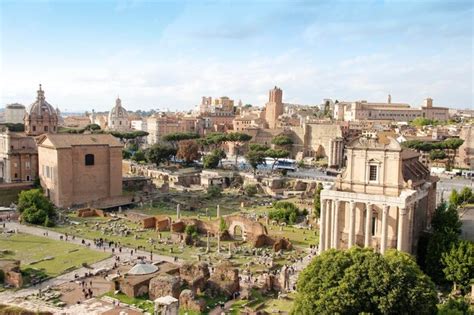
column 274, row 107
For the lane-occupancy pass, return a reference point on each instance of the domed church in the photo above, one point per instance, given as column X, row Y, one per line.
column 118, row 117
column 41, row 117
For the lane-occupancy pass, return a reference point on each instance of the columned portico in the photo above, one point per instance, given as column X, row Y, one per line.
column 327, row 241
column 401, row 235
column 322, row 226
column 383, row 239
column 360, row 212
column 376, row 200
column 335, row 235
column 368, row 225
column 351, row 224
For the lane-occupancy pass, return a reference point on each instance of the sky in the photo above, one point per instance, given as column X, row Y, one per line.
column 166, row 55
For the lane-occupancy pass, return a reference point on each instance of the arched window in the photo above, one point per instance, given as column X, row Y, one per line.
column 89, row 159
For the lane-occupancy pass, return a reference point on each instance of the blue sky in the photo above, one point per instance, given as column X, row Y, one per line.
column 167, row 54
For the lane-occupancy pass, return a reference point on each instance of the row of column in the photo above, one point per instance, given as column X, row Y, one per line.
column 336, row 152
column 329, row 235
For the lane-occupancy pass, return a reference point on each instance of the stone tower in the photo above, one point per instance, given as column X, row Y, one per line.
column 41, row 117
column 274, row 107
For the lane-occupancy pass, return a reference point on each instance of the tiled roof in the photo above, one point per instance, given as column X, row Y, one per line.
column 69, row 140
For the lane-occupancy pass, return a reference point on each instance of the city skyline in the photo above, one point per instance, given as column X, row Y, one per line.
column 167, row 55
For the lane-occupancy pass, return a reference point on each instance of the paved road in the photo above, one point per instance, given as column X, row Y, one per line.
column 14, row 297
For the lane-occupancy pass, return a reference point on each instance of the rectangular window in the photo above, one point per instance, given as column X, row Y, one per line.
column 46, row 128
column 373, row 172
column 27, row 164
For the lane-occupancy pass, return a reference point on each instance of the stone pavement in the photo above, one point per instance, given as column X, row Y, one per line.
column 18, row 297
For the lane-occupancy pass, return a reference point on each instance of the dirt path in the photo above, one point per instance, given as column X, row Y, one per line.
column 18, row 297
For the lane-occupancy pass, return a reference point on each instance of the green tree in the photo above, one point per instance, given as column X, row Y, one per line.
column 255, row 158
column 210, row 161
column 465, row 196
column 361, row 281
column 446, row 228
column 139, row 156
column 454, row 198
column 317, row 200
column 175, row 137
column 34, row 207
column 452, row 144
column 126, row 154
column 222, row 225
column 284, row 211
column 459, row 306
column 214, row 191
column 459, row 264
column 159, row 153
column 250, row 190
column 437, row 155
column 282, row 140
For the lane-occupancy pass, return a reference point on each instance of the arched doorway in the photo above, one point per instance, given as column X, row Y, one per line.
column 238, row 233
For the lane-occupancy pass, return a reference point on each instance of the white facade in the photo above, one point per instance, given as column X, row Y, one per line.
column 14, row 113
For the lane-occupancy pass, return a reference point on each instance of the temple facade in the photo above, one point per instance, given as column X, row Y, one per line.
column 383, row 199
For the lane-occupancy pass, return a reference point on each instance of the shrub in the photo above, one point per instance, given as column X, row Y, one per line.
column 250, row 190
column 284, row 211
column 214, row 191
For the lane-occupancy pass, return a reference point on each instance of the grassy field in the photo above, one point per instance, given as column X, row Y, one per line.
column 30, row 249
column 140, row 302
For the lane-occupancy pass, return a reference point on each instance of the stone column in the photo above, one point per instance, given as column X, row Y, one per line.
column 352, row 225
column 401, row 233
column 218, row 211
column 328, row 225
column 322, row 226
column 368, row 224
column 383, row 241
column 335, row 237
column 333, row 214
column 178, row 211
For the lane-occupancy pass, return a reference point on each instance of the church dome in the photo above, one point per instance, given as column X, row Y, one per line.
column 118, row 111
column 142, row 268
column 40, row 107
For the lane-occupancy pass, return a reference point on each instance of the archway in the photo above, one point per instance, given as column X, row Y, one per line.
column 238, row 233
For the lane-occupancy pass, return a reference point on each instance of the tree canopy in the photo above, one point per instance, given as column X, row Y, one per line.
column 35, row 208
column 285, row 211
column 458, row 264
column 446, row 228
column 282, row 140
column 361, row 281
column 180, row 136
column 159, row 153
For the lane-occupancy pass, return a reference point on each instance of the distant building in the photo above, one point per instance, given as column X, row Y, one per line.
column 76, row 169
column 118, row 117
column 159, row 125
column 15, row 113
column 40, row 117
column 138, row 124
column 383, row 199
column 466, row 150
column 274, row 107
column 363, row 110
column 18, row 157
